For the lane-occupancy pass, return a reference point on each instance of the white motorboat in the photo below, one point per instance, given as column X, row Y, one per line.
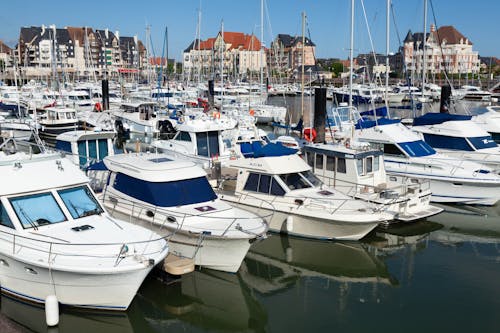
column 358, row 171
column 142, row 117
column 302, row 205
column 488, row 119
column 56, row 239
column 473, row 93
column 458, row 136
column 452, row 180
column 176, row 200
column 199, row 139
column 57, row 120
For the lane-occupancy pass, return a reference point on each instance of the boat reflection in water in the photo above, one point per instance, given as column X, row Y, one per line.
column 468, row 224
column 203, row 300
column 32, row 317
column 280, row 261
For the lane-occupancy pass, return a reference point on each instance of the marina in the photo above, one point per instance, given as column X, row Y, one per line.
column 260, row 182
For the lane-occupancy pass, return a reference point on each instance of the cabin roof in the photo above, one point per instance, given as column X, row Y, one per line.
column 153, row 167
column 273, row 165
column 57, row 172
column 81, row 135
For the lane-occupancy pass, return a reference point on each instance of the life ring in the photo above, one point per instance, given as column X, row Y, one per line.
column 216, row 115
column 98, row 107
column 252, row 112
column 309, row 134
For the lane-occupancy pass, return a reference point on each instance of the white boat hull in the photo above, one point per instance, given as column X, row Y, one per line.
column 309, row 226
column 457, row 190
column 113, row 291
column 218, row 253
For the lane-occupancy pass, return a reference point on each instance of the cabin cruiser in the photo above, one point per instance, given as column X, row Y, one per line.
column 458, row 136
column 488, row 118
column 57, row 239
column 452, row 180
column 473, row 93
column 57, row 120
column 143, row 118
column 358, row 171
column 361, row 94
column 302, row 204
column 175, row 199
column 199, row 139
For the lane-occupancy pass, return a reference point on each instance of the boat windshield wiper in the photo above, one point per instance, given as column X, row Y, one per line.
column 89, row 212
column 28, row 219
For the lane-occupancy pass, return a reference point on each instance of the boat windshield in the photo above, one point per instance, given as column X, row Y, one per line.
column 311, row 177
column 80, row 201
column 483, row 142
column 295, row 181
column 417, row 148
column 37, row 209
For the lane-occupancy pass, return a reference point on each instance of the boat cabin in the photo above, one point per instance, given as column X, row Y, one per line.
column 339, row 165
column 158, row 180
column 86, row 147
column 60, row 115
column 146, row 110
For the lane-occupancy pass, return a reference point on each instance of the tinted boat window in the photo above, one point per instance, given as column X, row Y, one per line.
column 252, row 182
column 37, row 209
column 80, row 201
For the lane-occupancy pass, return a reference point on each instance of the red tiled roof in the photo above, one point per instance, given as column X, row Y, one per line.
column 238, row 40
column 451, row 35
column 158, row 61
column 4, row 48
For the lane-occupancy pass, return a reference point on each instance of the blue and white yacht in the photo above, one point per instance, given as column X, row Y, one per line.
column 458, row 136
column 175, row 199
column 452, row 180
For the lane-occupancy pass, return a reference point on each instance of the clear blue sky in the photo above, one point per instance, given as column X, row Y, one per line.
column 328, row 20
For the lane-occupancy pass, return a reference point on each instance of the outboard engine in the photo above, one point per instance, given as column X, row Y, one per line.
column 120, row 129
column 166, row 129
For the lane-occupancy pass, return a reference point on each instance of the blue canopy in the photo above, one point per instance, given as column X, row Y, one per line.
column 273, row 149
column 378, row 112
column 438, row 118
column 99, row 166
column 367, row 123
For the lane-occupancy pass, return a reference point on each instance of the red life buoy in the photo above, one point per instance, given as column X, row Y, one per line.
column 97, row 107
column 309, row 134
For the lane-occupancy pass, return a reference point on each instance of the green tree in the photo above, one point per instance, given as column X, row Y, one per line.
column 337, row 68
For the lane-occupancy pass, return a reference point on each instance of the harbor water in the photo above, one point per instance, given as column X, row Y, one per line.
column 440, row 274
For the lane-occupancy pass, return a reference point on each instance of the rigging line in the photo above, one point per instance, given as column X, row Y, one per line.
column 440, row 46
column 405, row 68
column 370, row 38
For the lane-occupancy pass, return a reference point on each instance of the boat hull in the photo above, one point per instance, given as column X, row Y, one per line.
column 218, row 253
column 105, row 291
column 459, row 190
column 309, row 226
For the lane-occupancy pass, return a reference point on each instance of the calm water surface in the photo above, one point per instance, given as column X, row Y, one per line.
column 438, row 275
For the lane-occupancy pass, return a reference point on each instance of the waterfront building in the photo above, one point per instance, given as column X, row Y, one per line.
column 5, row 56
column 241, row 55
column 81, row 51
column 285, row 54
column 446, row 49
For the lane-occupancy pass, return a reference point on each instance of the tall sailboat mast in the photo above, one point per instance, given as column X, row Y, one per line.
column 351, row 52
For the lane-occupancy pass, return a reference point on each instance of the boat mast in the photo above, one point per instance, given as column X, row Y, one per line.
column 351, row 55
column 424, row 60
column 223, row 46
column 261, row 47
column 387, row 27
column 302, row 74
